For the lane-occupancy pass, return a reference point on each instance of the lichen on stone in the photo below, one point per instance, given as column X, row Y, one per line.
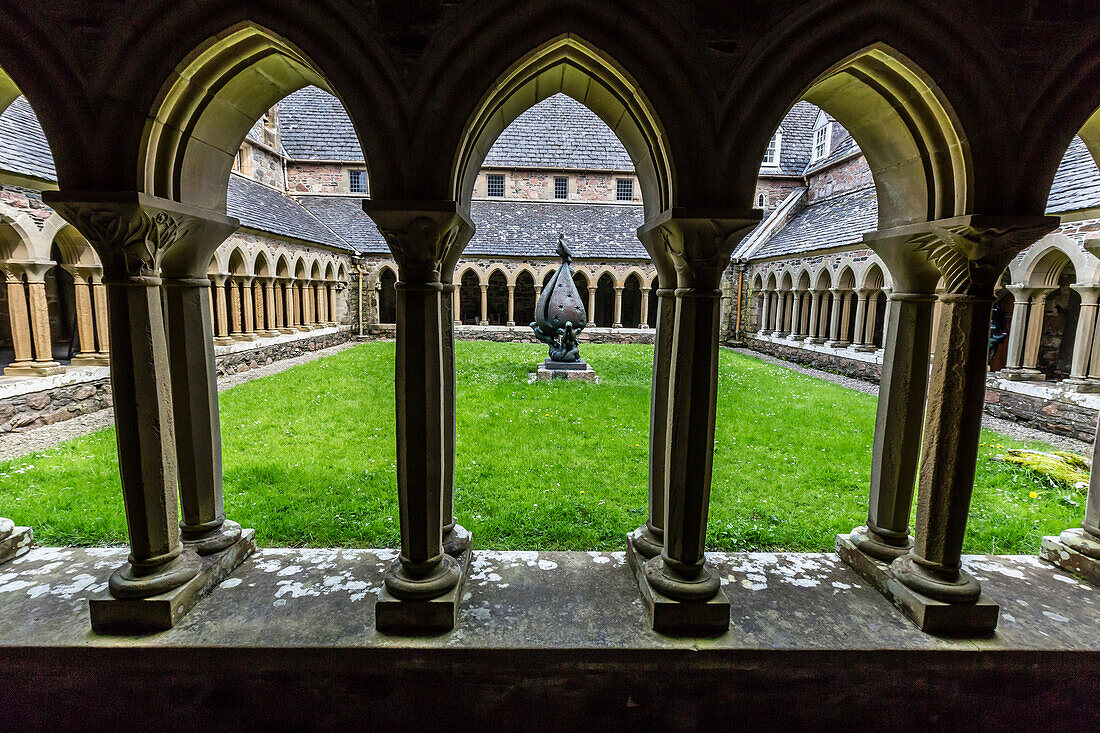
column 1062, row 466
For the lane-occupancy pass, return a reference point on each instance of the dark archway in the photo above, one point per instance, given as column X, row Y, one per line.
column 605, row 302
column 387, row 297
column 632, row 303
column 497, row 299
column 525, row 299
column 469, row 301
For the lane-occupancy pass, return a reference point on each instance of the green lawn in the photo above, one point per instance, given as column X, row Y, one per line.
column 309, row 460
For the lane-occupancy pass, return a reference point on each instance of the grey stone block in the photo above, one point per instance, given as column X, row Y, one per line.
column 112, row 615
column 676, row 618
column 1054, row 551
column 420, row 617
column 17, row 543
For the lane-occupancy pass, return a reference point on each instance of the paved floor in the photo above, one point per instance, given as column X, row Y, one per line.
column 996, row 424
column 325, row 597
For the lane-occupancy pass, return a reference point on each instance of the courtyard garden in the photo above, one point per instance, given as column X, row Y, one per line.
column 309, row 460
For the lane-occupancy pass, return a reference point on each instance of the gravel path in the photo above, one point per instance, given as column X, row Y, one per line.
column 13, row 445
column 996, row 424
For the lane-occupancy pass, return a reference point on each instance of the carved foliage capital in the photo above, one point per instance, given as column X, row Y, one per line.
column 972, row 252
column 700, row 248
column 130, row 238
column 426, row 244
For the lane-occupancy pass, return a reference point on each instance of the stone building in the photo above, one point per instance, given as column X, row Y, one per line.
column 963, row 112
column 813, row 292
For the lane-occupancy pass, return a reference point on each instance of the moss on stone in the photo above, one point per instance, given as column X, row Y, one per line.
column 1062, row 466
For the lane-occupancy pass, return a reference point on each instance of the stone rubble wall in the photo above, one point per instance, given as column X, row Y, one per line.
column 36, row 409
column 1055, row 415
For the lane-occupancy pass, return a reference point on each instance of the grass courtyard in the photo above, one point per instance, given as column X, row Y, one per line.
column 309, row 460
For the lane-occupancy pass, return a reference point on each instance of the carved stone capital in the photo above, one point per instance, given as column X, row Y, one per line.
column 903, row 250
column 35, row 272
column 698, row 243
column 135, row 234
column 426, row 237
column 972, row 251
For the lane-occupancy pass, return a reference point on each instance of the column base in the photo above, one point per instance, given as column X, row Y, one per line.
column 815, row 341
column 89, row 360
column 285, row 329
column 1068, row 551
column 112, row 615
column 214, row 540
column 265, row 334
column 457, row 541
column 1077, row 384
column 510, row 323
column 422, row 616
column 33, row 369
column 15, row 544
column 837, row 344
column 781, row 334
column 868, row 348
column 678, row 618
column 644, row 542
column 245, row 337
column 224, row 341
column 1018, row 374
column 796, row 337
column 929, row 615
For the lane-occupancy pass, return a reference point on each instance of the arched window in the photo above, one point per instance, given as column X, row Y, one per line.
column 761, row 200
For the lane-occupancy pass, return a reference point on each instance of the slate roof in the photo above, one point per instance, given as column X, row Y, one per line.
column 833, row 222
column 23, row 147
column 267, row 210
column 344, row 215
column 314, row 126
column 1077, row 182
column 559, row 132
column 794, row 145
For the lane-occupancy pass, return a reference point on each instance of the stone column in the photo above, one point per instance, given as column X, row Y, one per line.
column 592, row 304
column 900, row 416
column 796, row 317
column 19, row 316
column 648, row 540
column 99, row 298
column 258, row 326
column 248, row 309
column 130, row 238
column 970, row 252
column 781, row 307
column 815, row 317
column 870, row 315
column 456, row 539
column 862, row 295
column 221, row 282
column 1083, row 341
column 40, row 318
column 456, row 304
column 699, row 247
column 511, row 305
column 618, row 321
column 644, row 317
column 1036, row 313
column 484, row 304
column 425, row 243
column 284, row 305
column 1017, row 331
column 271, row 310
column 839, row 297
column 85, row 317
column 236, row 327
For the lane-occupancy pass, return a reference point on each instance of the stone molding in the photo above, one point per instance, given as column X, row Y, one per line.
column 426, row 237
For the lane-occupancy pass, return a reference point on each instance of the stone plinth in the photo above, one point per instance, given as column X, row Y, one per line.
column 15, row 544
column 678, row 618
column 420, row 617
column 112, row 615
column 574, row 370
column 1055, row 551
column 930, row 615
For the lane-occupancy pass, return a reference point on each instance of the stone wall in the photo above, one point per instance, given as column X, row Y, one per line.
column 35, row 409
column 775, row 191
column 1042, row 406
column 538, row 185
column 319, row 177
column 849, row 175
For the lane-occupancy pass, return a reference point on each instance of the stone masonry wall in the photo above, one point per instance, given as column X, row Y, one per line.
column 318, row 177
column 847, row 176
column 63, row 403
column 1051, row 415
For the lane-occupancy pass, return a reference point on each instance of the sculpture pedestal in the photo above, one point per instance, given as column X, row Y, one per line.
column 579, row 370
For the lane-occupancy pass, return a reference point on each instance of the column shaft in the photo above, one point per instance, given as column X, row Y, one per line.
column 99, row 296
column 618, row 321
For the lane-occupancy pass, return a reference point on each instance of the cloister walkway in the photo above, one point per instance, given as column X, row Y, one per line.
column 799, row 622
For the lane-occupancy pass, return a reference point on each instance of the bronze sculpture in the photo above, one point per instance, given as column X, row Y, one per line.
column 560, row 315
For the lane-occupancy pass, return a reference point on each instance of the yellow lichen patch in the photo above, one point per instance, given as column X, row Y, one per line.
column 1062, row 466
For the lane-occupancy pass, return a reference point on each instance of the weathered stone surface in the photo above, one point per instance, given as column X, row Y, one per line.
column 429, row 616
column 15, row 544
column 678, row 618
column 1054, row 551
column 159, row 613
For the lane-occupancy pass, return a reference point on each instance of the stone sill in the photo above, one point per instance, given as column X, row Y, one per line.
column 11, row 387
column 555, row 638
column 1046, row 391
column 869, row 357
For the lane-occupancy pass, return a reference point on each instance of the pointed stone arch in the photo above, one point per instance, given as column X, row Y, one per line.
column 570, row 65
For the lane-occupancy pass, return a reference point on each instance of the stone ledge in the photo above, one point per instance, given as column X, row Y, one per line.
column 430, row 616
column 1056, row 552
column 554, row 639
column 17, row 543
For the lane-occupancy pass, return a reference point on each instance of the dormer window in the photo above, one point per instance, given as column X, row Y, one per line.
column 357, row 181
column 771, row 155
column 821, row 138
